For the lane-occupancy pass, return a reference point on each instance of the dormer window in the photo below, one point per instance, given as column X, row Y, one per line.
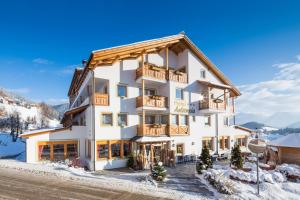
column 203, row 74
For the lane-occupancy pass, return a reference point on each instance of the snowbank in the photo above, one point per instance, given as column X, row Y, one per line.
column 8, row 148
column 273, row 183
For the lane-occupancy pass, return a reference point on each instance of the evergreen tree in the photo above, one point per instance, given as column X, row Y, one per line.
column 159, row 173
column 236, row 157
column 205, row 160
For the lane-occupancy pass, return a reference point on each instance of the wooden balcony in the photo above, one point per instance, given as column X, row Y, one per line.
column 162, row 129
column 212, row 105
column 175, row 130
column 101, row 99
column 152, row 101
column 177, row 76
column 152, row 130
column 152, row 72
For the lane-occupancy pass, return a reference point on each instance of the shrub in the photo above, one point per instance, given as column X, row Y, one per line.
column 236, row 157
column 130, row 161
column 205, row 160
column 159, row 173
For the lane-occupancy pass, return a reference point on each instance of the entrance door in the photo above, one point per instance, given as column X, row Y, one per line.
column 157, row 153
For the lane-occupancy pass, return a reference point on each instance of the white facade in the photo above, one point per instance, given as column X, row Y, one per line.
column 123, row 72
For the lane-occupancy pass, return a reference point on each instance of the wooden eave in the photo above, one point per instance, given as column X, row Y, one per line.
column 244, row 129
column 76, row 76
column 213, row 85
column 176, row 43
column 45, row 132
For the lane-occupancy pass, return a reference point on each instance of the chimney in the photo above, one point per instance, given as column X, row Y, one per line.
column 83, row 63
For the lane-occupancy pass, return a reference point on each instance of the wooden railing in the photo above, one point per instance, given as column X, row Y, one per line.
column 101, row 99
column 152, row 101
column 174, row 130
column 210, row 104
column 177, row 76
column 152, row 130
column 162, row 129
column 151, row 72
column 161, row 73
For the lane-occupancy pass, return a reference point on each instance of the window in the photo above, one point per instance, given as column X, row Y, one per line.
column 58, row 152
column 126, row 149
column 179, row 93
column 148, row 92
column 44, row 152
column 122, row 90
column 164, row 119
column 102, row 151
column 174, row 119
column 207, row 120
column 72, row 151
column 179, row 149
column 184, row 120
column 149, row 119
column 203, row 74
column 122, row 119
column 115, row 150
column 208, row 143
column 107, row 119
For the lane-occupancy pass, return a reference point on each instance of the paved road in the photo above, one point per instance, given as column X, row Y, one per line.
column 182, row 178
column 19, row 185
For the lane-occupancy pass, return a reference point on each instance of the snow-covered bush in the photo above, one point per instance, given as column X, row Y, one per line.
column 205, row 161
column 291, row 171
column 236, row 157
column 159, row 173
column 278, row 177
column 219, row 181
column 130, row 161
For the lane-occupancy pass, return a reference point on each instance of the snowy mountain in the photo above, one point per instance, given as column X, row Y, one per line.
column 61, row 109
column 28, row 111
column 278, row 120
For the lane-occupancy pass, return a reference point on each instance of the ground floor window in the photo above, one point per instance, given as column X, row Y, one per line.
column 44, row 152
column 208, row 142
column 112, row 149
column 179, row 149
column 102, row 151
column 57, row 151
column 241, row 141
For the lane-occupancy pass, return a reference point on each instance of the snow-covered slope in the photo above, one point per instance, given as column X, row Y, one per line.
column 11, row 104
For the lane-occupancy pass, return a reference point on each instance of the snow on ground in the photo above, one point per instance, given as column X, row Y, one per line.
column 8, row 148
column 110, row 179
column 273, row 184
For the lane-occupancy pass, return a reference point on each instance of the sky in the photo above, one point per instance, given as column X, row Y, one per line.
column 255, row 43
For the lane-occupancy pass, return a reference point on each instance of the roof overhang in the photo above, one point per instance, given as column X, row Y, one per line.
column 108, row 56
column 43, row 131
column 244, row 129
column 74, row 111
column 214, row 85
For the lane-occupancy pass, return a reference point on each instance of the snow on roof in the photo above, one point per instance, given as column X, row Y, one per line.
column 37, row 131
column 291, row 140
column 151, row 139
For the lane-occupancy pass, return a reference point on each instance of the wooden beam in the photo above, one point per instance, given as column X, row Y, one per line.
column 167, row 57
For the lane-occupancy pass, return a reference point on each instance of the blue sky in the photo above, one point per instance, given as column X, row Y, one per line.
column 42, row 41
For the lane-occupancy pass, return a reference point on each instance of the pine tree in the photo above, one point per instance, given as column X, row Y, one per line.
column 205, row 160
column 236, row 157
column 159, row 172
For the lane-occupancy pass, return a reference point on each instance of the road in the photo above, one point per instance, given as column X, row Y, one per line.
column 20, row 185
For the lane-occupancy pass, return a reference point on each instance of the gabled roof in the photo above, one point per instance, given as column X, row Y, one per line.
column 290, row 140
column 176, row 43
column 244, row 129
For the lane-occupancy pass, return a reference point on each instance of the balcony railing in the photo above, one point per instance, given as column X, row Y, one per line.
column 161, row 73
column 177, row 76
column 101, row 99
column 152, row 101
column 152, row 130
column 210, row 104
column 162, row 129
column 151, row 72
column 178, row 130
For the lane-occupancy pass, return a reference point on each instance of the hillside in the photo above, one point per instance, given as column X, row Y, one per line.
column 34, row 115
column 61, row 109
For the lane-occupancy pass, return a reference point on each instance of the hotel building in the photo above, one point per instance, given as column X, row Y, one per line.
column 150, row 96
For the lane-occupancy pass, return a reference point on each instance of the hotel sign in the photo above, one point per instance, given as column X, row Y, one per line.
column 184, row 107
